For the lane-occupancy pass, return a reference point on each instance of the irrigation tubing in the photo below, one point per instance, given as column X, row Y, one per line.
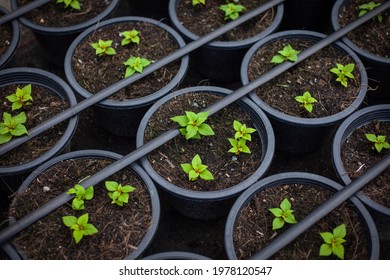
column 110, row 90
column 323, row 210
column 165, row 137
column 22, row 10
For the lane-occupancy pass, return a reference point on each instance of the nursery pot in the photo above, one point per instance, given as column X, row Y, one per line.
column 135, row 169
column 13, row 43
column 220, row 60
column 56, row 40
column 12, row 176
column 288, row 186
column 122, row 117
column 356, row 122
column 377, row 66
column 303, row 135
column 207, row 204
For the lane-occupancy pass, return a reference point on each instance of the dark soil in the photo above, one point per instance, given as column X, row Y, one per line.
column 202, row 19
column 120, row 228
column 253, row 228
column 373, row 36
column 227, row 169
column 95, row 73
column 6, row 37
column 45, row 105
column 56, row 15
column 310, row 75
column 358, row 154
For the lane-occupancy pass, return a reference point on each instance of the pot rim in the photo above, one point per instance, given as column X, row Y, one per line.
column 14, row 40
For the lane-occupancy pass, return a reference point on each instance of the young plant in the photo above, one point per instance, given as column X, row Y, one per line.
column 12, row 126
column 118, row 193
column 196, row 2
column 379, row 141
column 333, row 242
column 21, row 97
column 287, row 53
column 103, row 48
column 80, row 226
column 130, row 37
column 135, row 64
column 343, row 73
column 283, row 215
column 193, row 125
column 81, row 194
column 306, row 101
column 238, row 146
column 74, row 4
column 232, row 11
column 242, row 131
column 365, row 8
column 196, row 169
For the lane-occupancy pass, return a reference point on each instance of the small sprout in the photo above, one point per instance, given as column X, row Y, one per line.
column 333, row 242
column 306, row 101
column 21, row 97
column 118, row 193
column 74, row 4
column 365, row 8
column 103, row 47
column 242, row 131
column 196, row 2
column 135, row 64
column 197, row 169
column 282, row 215
column 12, row 126
column 193, row 124
column 343, row 72
column 238, row 146
column 81, row 194
column 130, row 37
column 379, row 141
column 288, row 53
column 80, row 226
column 232, row 11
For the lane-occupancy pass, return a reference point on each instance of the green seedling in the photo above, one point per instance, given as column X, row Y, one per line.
column 365, row 8
column 196, row 169
column 287, row 53
column 135, row 64
column 283, row 215
column 130, row 37
column 379, row 141
column 21, row 98
column 306, row 101
column 196, row 2
column 193, row 125
column 242, row 131
column 238, row 146
column 12, row 126
column 74, row 4
column 81, row 194
column 343, row 73
column 103, row 48
column 118, row 193
column 80, row 226
column 232, row 11
column 333, row 242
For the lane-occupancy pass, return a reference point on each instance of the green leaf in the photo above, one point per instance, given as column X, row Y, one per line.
column 327, row 237
column 111, row 185
column 290, row 219
column 285, row 205
column 340, row 231
column 202, row 117
column 110, row 51
column 19, row 130
column 124, row 197
column 78, row 204
column 20, row 118
column 128, row 189
column 196, row 161
column 205, row 130
column 83, row 219
column 325, row 250
column 237, row 125
column 69, row 221
column 206, row 175
column 193, row 175
column 4, row 138
column 191, row 131
column 89, row 193
column 186, row 167
column 90, row 229
column 278, row 59
column 276, row 211
column 277, row 223
column 77, row 235
column 182, row 120
column 338, row 250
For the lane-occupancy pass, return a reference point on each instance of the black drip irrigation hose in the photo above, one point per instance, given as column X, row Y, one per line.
column 334, row 201
column 165, row 137
column 22, row 10
column 110, row 90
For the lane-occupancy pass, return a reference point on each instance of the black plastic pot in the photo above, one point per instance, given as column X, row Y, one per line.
column 297, row 178
column 122, row 117
column 295, row 135
column 13, row 252
column 378, row 67
column 358, row 119
column 56, row 40
column 13, row 44
column 209, row 205
column 12, row 176
column 220, row 60
column 176, row 255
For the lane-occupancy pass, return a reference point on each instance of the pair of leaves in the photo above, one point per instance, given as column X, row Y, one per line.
column 81, row 194
column 343, row 73
column 242, row 132
column 232, row 11
column 306, row 101
column 130, row 37
column 333, row 242
column 103, row 48
column 21, row 97
column 287, row 53
column 135, row 64
column 365, row 8
column 193, row 124
column 118, row 193
column 196, row 2
column 74, row 4
column 379, row 141
column 80, row 226
column 197, row 169
column 12, row 126
column 283, row 215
